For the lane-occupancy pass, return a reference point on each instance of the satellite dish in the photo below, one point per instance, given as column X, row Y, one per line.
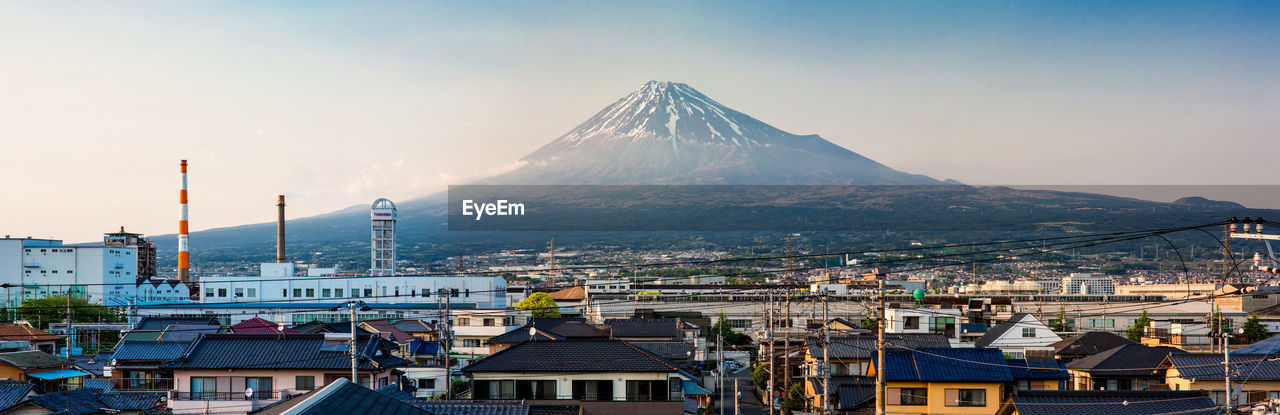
column 248, row 393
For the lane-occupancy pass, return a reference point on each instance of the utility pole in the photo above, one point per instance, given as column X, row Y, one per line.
column 448, row 343
column 71, row 334
column 786, row 357
column 355, row 376
column 880, row 392
column 737, row 396
column 826, row 357
column 551, row 248
column 720, row 368
column 1226, row 372
column 769, row 336
column 786, row 265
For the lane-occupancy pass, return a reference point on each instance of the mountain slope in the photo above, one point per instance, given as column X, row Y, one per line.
column 669, row 133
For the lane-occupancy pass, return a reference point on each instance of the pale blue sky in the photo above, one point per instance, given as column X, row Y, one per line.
column 338, row 103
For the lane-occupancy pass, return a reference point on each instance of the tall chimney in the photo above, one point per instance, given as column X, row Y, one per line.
column 280, row 230
column 184, row 256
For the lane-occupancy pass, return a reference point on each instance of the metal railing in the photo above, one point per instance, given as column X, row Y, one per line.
column 224, row 396
column 144, row 384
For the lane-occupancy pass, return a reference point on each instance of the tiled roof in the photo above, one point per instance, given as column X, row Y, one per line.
column 25, row 332
column 574, row 355
column 570, row 294
column 861, row 347
column 341, row 397
column 149, row 350
column 946, row 365
column 415, row 326
column 29, row 359
column 644, row 327
column 524, row 334
column 394, row 391
column 1208, row 366
column 475, row 408
column 388, row 331
column 1090, row 343
column 14, row 391
column 853, row 396
column 670, row 350
column 92, row 401
column 1130, row 360
column 258, row 325
column 571, row 328
column 1052, row 369
column 1099, row 402
column 160, row 323
column 282, row 351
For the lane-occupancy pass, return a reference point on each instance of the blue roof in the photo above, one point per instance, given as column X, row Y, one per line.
column 973, row 327
column 1270, row 345
column 1100, row 402
column 946, row 365
column 57, row 374
column 1049, row 369
column 692, row 388
column 419, row 346
column 149, row 350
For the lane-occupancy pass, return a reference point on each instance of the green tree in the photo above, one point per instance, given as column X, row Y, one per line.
column 1061, row 324
column 760, row 375
column 1139, row 326
column 541, row 305
column 869, row 323
column 42, row 311
column 1254, row 330
column 725, row 330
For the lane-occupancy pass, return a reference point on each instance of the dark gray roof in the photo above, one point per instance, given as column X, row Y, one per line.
column 92, row 401
column 1208, row 366
column 670, row 350
column 524, row 334
column 342, row 397
column 853, row 396
column 861, row 347
column 1099, row 402
column 396, row 391
column 1000, row 329
column 149, row 350
column 573, row 355
column 30, row 359
column 570, row 328
column 1090, row 343
column 160, row 323
column 1270, row 345
column 1038, row 369
column 14, row 391
column 1130, row 360
column 415, row 326
column 644, row 327
column 283, row 351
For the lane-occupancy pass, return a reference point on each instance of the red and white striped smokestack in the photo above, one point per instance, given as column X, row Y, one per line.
column 184, row 265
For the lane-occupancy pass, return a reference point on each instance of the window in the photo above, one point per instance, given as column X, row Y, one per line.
column 453, row 292
column 305, row 383
column 909, row 323
column 464, row 321
column 337, row 292
column 261, row 387
column 311, row 292
column 1028, row 332
column 966, row 397
column 495, row 389
column 253, row 292
column 470, row 342
column 647, row 390
column 222, row 292
column 297, row 292
column 208, row 292
column 913, row 396
column 1102, row 323
column 535, row 389
column 326, row 292
column 368, row 292
column 488, row 322
column 467, row 294
column 426, row 383
column 593, row 390
column 284, row 292
column 239, row 292
column 426, row 292
column 508, row 321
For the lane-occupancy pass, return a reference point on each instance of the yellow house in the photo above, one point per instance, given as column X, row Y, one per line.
column 944, row 381
column 1203, row 371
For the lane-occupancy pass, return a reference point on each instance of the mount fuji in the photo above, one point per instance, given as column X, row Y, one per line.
column 669, row 133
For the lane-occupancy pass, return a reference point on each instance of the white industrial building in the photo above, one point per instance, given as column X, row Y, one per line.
column 278, row 283
column 108, row 275
column 1088, row 284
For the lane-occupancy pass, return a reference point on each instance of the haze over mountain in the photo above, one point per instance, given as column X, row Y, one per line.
column 669, row 133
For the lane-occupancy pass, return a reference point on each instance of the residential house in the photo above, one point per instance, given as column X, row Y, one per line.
column 341, row 397
column 1021, row 333
column 850, row 358
column 37, row 339
column 1108, row 402
column 1039, row 371
column 88, row 401
column 13, row 392
column 222, row 367
column 971, row 332
column 547, row 329
column 951, row 381
column 49, row 373
column 1088, row 344
column 661, row 330
column 1129, row 367
column 419, row 329
column 138, row 365
column 471, row 328
column 944, row 321
column 1257, row 376
column 602, row 376
column 405, row 393
column 157, row 323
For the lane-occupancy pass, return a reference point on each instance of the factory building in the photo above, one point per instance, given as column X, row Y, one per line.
column 278, row 283
column 103, row 273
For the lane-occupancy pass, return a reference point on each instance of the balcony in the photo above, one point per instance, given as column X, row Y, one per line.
column 146, row 385
column 224, row 396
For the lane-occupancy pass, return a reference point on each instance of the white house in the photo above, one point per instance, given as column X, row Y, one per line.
column 1022, row 332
